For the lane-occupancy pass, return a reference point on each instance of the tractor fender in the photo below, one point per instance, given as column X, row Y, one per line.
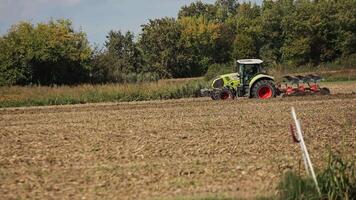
column 258, row 78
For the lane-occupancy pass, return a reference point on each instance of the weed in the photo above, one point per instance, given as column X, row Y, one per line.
column 337, row 181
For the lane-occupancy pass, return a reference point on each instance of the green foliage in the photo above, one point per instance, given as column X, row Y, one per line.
column 205, row 43
column 226, row 9
column 247, row 39
column 64, row 95
column 120, row 62
column 337, row 181
column 294, row 187
column 198, row 9
column 160, row 42
column 48, row 53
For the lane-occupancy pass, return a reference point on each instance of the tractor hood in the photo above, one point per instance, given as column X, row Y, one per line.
column 224, row 80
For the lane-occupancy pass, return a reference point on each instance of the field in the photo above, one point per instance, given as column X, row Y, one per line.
column 172, row 149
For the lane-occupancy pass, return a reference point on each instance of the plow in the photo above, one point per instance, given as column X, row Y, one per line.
column 303, row 85
column 251, row 80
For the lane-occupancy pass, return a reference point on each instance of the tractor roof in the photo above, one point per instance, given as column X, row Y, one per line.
column 250, row 61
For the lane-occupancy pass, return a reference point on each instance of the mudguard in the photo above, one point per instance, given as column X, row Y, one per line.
column 258, row 77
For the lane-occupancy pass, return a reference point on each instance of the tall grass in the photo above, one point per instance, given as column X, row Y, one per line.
column 336, row 182
column 339, row 70
column 62, row 95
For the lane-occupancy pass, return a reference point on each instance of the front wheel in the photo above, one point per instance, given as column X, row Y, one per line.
column 215, row 95
column 264, row 89
column 226, row 94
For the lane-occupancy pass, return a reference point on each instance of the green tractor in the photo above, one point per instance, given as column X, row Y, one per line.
column 251, row 81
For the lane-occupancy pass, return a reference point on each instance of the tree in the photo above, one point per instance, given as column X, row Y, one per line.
column 226, row 9
column 297, row 33
column 345, row 20
column 207, row 43
column 248, row 36
column 272, row 34
column 120, row 58
column 198, row 9
column 160, row 43
column 48, row 53
column 16, row 56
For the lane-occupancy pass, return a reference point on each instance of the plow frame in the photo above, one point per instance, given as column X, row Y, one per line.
column 302, row 85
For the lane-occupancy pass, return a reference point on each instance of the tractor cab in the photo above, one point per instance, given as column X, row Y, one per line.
column 248, row 70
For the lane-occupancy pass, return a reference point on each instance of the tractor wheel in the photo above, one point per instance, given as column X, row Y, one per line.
column 215, row 95
column 264, row 89
column 226, row 94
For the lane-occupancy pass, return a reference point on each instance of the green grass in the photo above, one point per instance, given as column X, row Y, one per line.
column 337, row 182
column 339, row 77
column 339, row 70
column 64, row 95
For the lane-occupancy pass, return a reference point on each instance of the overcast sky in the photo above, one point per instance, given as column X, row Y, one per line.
column 95, row 17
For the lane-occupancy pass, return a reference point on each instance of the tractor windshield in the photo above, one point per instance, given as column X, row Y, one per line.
column 248, row 71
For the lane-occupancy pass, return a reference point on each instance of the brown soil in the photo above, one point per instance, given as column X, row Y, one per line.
column 168, row 149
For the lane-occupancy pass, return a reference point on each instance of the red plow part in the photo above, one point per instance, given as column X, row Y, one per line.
column 302, row 85
column 294, row 136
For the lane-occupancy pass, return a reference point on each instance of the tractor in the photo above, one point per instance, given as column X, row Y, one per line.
column 251, row 80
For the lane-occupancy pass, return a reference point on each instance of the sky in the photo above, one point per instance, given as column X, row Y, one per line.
column 95, row 17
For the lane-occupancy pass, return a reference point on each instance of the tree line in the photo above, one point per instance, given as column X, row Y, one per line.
column 202, row 37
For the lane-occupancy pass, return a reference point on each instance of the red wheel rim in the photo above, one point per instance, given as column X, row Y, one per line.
column 265, row 92
column 224, row 95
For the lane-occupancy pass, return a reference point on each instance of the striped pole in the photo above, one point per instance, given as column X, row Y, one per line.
column 307, row 162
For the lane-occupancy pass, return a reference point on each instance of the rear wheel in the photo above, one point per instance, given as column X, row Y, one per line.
column 264, row 89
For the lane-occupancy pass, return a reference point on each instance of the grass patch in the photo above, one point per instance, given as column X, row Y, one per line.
column 337, row 182
column 64, row 95
column 339, row 70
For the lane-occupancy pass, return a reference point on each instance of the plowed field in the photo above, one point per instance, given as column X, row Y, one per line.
column 168, row 149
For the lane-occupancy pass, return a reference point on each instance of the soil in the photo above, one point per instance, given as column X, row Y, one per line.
column 169, row 149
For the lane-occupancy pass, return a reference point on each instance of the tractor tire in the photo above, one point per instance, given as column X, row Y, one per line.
column 215, row 95
column 264, row 89
column 226, row 94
